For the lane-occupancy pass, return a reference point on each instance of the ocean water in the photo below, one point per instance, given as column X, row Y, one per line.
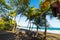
column 49, row 30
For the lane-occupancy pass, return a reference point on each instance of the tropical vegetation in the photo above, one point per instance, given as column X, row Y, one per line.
column 9, row 11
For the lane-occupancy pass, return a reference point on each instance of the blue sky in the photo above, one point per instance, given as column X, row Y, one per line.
column 35, row 3
column 54, row 22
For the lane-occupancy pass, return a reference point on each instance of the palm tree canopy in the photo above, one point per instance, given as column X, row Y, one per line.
column 3, row 2
column 55, row 8
column 13, row 13
column 20, row 5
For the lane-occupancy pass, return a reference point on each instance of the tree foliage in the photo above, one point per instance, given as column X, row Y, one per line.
column 3, row 3
column 6, row 23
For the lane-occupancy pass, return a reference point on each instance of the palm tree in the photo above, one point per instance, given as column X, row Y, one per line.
column 55, row 9
column 34, row 17
column 37, row 20
column 13, row 14
column 29, row 14
column 45, row 6
column 37, row 23
column 20, row 7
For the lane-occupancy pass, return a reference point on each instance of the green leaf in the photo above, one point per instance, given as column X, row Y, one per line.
column 6, row 6
column 41, row 1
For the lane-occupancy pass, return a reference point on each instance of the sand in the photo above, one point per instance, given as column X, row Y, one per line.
column 27, row 35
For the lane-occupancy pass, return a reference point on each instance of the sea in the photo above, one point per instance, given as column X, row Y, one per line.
column 49, row 29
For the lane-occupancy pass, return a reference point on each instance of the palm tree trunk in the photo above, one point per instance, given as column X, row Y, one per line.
column 37, row 28
column 30, row 25
column 45, row 29
column 37, row 31
column 14, row 28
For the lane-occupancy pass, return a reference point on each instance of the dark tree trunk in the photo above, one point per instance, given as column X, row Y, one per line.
column 30, row 25
column 45, row 29
column 37, row 31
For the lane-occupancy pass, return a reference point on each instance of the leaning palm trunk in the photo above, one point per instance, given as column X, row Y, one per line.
column 37, row 31
column 14, row 28
column 15, row 24
column 30, row 25
column 45, row 30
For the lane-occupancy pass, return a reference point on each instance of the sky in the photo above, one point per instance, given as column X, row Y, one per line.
column 35, row 3
column 54, row 22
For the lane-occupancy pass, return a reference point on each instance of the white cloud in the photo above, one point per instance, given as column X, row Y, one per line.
column 54, row 22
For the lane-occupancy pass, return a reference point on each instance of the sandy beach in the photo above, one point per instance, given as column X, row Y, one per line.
column 52, row 36
column 27, row 35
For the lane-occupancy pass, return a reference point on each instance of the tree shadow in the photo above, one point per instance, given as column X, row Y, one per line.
column 29, row 35
column 7, row 35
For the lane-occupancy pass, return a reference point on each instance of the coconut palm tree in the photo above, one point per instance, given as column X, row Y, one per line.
column 13, row 14
column 55, row 9
column 20, row 7
column 37, row 19
column 37, row 23
column 45, row 6
column 34, row 17
column 29, row 14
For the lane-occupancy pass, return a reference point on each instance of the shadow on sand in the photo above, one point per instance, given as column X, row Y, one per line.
column 23, row 35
